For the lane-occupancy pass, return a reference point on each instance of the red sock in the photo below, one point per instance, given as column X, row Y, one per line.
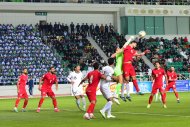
column 25, row 103
column 54, row 103
column 17, row 102
column 93, row 108
column 90, row 108
column 163, row 98
column 40, row 102
column 150, row 99
column 176, row 94
column 136, row 85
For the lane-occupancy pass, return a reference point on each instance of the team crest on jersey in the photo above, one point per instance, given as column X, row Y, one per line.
column 75, row 77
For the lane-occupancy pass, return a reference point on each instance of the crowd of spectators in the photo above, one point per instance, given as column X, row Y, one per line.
column 20, row 47
column 175, row 52
column 36, row 48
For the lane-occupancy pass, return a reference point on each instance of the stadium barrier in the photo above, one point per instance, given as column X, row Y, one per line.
column 11, row 91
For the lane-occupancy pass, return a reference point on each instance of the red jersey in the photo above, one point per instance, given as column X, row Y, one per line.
column 158, row 76
column 23, row 79
column 48, row 80
column 129, row 53
column 93, row 80
column 172, row 76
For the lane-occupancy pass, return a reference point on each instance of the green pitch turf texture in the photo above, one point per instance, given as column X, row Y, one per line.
column 128, row 114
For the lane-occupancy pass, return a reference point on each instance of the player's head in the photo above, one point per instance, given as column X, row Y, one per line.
column 134, row 44
column 172, row 69
column 96, row 66
column 111, row 61
column 52, row 69
column 77, row 68
column 157, row 64
column 25, row 71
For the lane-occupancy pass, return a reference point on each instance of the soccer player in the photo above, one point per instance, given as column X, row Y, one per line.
column 48, row 80
column 75, row 78
column 128, row 69
column 172, row 77
column 157, row 79
column 93, row 78
column 105, row 89
column 21, row 90
column 119, row 72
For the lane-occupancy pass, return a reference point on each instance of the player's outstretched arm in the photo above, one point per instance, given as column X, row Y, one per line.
column 131, row 38
column 143, row 53
column 83, row 80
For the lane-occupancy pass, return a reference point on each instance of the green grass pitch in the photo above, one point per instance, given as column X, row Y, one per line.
column 128, row 114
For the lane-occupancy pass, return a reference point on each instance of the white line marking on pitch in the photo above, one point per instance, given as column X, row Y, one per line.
column 131, row 113
column 150, row 114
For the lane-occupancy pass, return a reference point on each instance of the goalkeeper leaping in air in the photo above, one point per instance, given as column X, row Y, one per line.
column 124, row 68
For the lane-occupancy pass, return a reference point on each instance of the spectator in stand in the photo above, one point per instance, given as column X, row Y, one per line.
column 185, row 40
column 106, row 28
column 66, row 28
column 101, row 29
column 82, row 27
column 78, row 28
column 87, row 29
column 91, row 29
column 97, row 29
column 72, row 26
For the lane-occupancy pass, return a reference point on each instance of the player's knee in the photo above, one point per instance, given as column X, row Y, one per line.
column 77, row 97
column 127, row 79
column 93, row 102
column 134, row 78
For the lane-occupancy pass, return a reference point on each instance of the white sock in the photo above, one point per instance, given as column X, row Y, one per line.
column 84, row 101
column 107, row 106
column 128, row 90
column 122, row 90
column 109, row 110
column 78, row 102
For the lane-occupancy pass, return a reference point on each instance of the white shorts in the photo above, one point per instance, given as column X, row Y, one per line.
column 77, row 91
column 105, row 89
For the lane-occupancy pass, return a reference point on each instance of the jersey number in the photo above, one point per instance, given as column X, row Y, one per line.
column 91, row 79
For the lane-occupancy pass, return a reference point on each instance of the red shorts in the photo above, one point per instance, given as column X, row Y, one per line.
column 22, row 95
column 50, row 93
column 91, row 95
column 155, row 88
column 168, row 87
column 128, row 70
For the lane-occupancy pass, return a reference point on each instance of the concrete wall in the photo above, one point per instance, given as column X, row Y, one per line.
column 24, row 13
column 11, row 91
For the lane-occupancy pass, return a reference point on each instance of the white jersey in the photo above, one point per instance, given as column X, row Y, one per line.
column 105, row 85
column 108, row 72
column 76, row 78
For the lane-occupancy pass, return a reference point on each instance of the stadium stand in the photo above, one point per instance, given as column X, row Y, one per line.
column 22, row 46
column 174, row 52
column 37, row 47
